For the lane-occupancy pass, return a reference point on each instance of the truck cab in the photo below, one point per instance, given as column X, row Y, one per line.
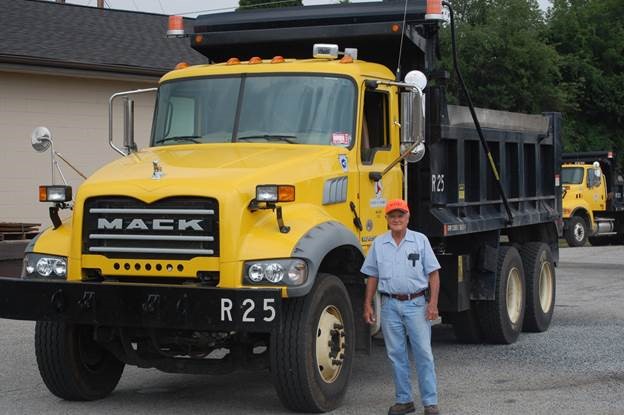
column 592, row 201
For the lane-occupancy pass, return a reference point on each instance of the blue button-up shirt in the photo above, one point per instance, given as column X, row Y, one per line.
column 402, row 269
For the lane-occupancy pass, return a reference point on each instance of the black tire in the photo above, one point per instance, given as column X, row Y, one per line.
column 466, row 326
column 72, row 365
column 539, row 272
column 294, row 359
column 576, row 231
column 497, row 324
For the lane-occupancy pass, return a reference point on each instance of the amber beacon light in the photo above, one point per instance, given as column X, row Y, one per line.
column 434, row 10
column 175, row 27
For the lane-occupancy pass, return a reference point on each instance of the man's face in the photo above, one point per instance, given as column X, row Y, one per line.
column 397, row 220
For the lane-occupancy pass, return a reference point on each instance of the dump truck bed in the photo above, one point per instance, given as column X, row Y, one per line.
column 454, row 190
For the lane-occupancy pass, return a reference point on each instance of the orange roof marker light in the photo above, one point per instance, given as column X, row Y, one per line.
column 182, row 65
column 176, row 27
column 346, row 59
column 255, row 60
column 233, row 61
column 278, row 59
column 434, row 10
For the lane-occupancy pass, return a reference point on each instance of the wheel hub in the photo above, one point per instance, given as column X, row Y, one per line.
column 579, row 232
column 545, row 287
column 514, row 295
column 330, row 344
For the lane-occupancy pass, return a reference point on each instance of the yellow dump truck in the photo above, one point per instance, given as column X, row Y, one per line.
column 593, row 198
column 234, row 241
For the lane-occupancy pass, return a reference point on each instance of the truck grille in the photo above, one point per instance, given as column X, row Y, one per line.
column 176, row 228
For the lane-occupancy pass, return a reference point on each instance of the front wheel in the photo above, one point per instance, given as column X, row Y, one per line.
column 312, row 355
column 72, row 365
column 576, row 231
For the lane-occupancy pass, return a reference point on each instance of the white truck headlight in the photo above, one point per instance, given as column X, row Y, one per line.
column 275, row 271
column 44, row 266
column 55, row 193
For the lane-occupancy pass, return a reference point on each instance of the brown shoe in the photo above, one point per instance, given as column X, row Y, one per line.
column 401, row 408
column 432, row 410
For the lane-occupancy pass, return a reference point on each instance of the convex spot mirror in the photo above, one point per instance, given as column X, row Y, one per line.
column 41, row 139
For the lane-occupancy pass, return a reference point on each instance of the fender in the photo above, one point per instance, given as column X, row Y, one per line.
column 57, row 242
column 315, row 244
column 584, row 212
column 53, row 241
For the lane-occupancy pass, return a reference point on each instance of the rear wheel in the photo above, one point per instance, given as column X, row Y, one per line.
column 501, row 319
column 540, row 282
column 312, row 355
column 72, row 365
column 576, row 231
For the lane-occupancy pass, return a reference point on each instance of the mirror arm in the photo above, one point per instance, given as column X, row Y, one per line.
column 70, row 165
column 376, row 176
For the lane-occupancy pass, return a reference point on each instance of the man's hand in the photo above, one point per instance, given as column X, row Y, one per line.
column 371, row 288
column 432, row 311
column 369, row 313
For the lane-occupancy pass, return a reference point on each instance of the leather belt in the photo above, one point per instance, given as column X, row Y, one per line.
column 405, row 297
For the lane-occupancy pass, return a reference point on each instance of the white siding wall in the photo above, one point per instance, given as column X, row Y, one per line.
column 76, row 112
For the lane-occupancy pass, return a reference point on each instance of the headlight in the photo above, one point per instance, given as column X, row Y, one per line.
column 44, row 266
column 272, row 193
column 55, row 193
column 274, row 271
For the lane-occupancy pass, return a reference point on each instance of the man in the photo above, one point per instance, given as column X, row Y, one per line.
column 402, row 265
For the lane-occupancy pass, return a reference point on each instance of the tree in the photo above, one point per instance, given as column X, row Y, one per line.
column 258, row 4
column 504, row 57
column 588, row 36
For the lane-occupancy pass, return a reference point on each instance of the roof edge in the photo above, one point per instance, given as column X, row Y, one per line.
column 35, row 61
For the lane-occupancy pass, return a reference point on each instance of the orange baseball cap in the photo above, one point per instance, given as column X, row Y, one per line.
column 397, row 204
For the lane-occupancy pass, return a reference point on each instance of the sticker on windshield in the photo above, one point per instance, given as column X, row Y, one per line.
column 341, row 139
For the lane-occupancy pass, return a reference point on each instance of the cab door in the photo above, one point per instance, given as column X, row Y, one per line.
column 378, row 147
column 596, row 190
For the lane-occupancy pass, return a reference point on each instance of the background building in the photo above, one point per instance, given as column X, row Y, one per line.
column 59, row 64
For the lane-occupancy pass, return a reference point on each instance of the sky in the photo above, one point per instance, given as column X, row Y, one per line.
column 191, row 8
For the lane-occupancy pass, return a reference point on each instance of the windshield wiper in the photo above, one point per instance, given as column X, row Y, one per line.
column 191, row 138
column 292, row 139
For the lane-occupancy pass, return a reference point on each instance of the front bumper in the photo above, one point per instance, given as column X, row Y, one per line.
column 141, row 305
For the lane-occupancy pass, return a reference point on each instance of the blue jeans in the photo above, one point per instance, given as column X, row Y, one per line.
column 401, row 320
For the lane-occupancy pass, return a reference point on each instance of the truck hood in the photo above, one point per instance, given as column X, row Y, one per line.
column 210, row 169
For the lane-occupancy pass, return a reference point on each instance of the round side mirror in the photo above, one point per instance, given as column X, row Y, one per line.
column 416, row 154
column 41, row 139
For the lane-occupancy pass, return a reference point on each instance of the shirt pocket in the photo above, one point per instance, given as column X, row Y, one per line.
column 413, row 266
column 385, row 269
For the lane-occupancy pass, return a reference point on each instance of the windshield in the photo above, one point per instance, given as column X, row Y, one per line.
column 572, row 175
column 284, row 109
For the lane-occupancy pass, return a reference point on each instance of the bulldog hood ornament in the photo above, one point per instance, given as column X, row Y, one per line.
column 158, row 172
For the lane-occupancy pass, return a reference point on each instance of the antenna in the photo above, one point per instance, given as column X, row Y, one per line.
column 398, row 69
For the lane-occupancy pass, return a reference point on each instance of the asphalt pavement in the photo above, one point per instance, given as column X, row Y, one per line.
column 576, row 367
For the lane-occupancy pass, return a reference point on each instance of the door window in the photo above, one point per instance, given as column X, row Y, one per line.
column 374, row 125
